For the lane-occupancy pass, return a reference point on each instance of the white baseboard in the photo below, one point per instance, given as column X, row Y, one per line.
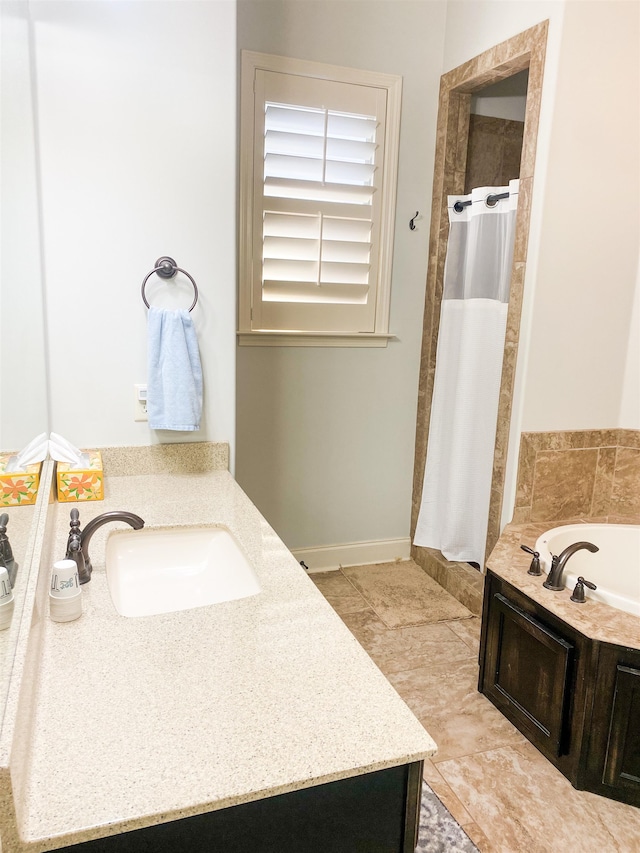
column 328, row 557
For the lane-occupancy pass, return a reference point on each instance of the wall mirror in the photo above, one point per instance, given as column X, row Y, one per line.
column 23, row 379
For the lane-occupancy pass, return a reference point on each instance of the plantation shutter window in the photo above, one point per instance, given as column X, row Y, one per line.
column 317, row 234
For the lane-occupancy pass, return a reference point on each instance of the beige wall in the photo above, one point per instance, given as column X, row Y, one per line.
column 630, row 408
column 132, row 98
column 588, row 256
column 325, row 437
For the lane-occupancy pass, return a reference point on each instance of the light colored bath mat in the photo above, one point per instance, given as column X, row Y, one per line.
column 402, row 594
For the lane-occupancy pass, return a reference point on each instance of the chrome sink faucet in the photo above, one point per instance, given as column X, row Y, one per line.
column 554, row 578
column 78, row 542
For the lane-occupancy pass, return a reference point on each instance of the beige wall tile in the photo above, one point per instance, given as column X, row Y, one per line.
column 563, row 484
column 522, row 225
column 625, row 494
column 629, row 438
column 614, row 493
column 526, row 469
column 604, row 481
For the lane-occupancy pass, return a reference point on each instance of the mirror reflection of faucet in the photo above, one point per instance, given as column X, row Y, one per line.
column 78, row 541
column 6, row 599
column 6, row 555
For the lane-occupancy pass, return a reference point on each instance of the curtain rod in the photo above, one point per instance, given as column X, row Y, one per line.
column 490, row 201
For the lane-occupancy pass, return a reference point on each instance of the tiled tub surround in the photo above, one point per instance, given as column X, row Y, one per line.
column 169, row 716
column 579, row 474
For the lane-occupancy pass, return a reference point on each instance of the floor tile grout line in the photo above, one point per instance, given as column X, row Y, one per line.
column 479, row 752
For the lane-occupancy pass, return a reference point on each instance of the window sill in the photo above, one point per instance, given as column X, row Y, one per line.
column 313, row 339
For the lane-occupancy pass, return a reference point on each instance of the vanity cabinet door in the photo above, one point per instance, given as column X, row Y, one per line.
column 622, row 762
column 527, row 673
column 613, row 756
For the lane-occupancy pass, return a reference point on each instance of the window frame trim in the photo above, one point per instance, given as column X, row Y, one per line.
column 252, row 61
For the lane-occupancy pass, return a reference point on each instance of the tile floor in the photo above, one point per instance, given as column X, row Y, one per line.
column 505, row 795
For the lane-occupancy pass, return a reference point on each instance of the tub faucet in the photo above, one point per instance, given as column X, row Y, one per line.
column 554, row 578
column 78, row 543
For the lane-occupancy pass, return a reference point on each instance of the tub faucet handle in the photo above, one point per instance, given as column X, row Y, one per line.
column 579, row 595
column 534, row 568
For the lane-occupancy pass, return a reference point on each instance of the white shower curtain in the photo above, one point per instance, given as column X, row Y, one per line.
column 454, row 512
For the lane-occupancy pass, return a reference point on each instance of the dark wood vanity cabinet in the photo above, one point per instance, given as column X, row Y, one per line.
column 577, row 700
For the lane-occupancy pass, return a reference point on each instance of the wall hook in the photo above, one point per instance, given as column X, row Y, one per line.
column 412, row 222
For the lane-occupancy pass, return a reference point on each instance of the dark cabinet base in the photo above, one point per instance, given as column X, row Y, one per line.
column 576, row 699
column 374, row 813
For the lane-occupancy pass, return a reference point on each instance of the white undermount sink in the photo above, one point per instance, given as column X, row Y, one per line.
column 161, row 570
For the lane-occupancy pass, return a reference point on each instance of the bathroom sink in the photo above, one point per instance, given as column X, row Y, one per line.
column 162, row 570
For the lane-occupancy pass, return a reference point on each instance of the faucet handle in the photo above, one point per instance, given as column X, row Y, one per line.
column 74, row 547
column 534, row 568
column 578, row 594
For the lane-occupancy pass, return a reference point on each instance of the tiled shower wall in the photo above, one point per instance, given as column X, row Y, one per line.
column 584, row 474
column 493, row 155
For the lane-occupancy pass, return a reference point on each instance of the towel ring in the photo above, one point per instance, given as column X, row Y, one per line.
column 166, row 267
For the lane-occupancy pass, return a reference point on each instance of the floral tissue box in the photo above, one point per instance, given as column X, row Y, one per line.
column 19, row 488
column 81, row 484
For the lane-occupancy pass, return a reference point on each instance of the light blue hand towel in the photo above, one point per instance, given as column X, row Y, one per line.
column 174, row 373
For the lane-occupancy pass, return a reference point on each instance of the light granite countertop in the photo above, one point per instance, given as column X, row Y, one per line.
column 138, row 721
column 593, row 619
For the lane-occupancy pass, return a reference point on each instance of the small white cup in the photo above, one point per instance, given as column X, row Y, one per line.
column 65, row 595
column 64, row 580
column 6, row 593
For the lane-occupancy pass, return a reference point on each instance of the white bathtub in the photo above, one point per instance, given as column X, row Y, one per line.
column 615, row 568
